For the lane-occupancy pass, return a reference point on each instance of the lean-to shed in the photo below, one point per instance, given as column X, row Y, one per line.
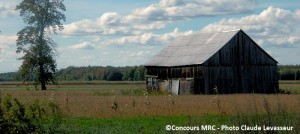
column 226, row 62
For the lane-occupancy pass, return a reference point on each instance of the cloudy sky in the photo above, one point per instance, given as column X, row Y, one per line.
column 129, row 32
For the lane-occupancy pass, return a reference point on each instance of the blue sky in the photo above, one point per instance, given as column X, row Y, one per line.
column 120, row 33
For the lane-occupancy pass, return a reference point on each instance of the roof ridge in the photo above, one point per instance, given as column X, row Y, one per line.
column 224, row 31
column 210, row 32
column 232, row 30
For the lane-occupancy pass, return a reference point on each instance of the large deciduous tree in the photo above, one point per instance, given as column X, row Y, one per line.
column 42, row 18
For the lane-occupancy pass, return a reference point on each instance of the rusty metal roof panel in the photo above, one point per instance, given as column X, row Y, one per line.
column 191, row 50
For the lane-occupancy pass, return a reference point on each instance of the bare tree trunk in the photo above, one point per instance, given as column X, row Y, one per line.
column 42, row 78
column 43, row 84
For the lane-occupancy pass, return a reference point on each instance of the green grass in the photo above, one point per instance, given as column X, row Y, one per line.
column 290, row 86
column 134, row 124
column 146, row 124
column 68, row 88
column 78, row 85
column 95, row 82
column 289, row 81
column 291, row 89
column 121, row 125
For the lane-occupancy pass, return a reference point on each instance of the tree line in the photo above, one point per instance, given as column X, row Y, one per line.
column 128, row 73
column 88, row 73
column 289, row 72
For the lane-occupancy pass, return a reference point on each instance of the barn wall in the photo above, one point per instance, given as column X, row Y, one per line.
column 241, row 67
column 244, row 79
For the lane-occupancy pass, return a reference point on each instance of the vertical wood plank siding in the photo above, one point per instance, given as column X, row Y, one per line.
column 241, row 67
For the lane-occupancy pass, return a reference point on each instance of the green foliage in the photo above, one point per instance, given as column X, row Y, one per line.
column 55, row 119
column 114, row 76
column 41, row 17
column 128, row 73
column 7, row 76
column 15, row 117
column 289, row 72
column 89, row 73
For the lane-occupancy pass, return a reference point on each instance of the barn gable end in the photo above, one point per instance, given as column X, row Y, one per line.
column 240, row 50
column 241, row 66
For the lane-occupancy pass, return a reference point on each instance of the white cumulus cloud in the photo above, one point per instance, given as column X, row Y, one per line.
column 155, row 16
column 130, row 54
column 272, row 26
column 7, row 9
column 7, row 41
column 149, row 38
column 84, row 45
column 110, row 23
column 181, row 9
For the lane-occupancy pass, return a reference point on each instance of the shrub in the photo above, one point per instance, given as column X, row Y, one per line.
column 15, row 117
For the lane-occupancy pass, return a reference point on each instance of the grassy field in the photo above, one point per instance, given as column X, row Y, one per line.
column 291, row 86
column 157, row 124
column 88, row 112
column 90, row 103
column 94, row 107
column 78, row 85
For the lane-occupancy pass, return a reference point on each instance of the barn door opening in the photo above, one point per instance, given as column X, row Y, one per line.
column 151, row 82
column 186, row 86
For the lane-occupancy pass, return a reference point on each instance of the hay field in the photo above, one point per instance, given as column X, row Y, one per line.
column 106, row 103
column 127, row 99
column 78, row 85
column 94, row 107
column 291, row 86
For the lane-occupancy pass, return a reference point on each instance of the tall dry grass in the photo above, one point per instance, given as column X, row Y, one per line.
column 88, row 104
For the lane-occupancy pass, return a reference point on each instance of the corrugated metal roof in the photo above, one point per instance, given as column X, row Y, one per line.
column 191, row 50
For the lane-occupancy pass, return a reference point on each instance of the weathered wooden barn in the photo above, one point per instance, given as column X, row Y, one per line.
column 226, row 62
